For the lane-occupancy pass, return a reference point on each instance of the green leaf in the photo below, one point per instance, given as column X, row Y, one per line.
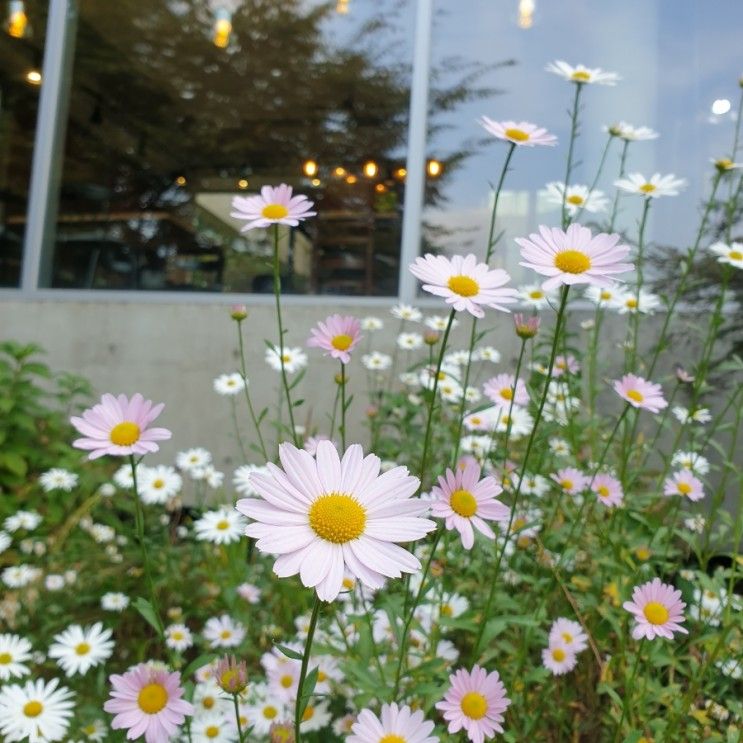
column 288, row 652
column 308, row 688
column 14, row 463
column 145, row 608
column 197, row 663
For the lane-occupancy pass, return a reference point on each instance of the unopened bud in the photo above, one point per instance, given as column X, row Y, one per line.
column 238, row 312
column 526, row 326
column 615, row 130
column 341, row 378
column 281, row 732
column 231, row 674
column 431, row 337
column 372, row 411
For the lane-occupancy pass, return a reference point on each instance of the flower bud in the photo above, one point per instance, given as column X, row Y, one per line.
column 431, row 337
column 231, row 674
column 281, row 732
column 526, row 326
column 238, row 312
column 341, row 378
column 615, row 130
column 372, row 411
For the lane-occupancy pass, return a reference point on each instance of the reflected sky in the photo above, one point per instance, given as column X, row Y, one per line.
column 675, row 59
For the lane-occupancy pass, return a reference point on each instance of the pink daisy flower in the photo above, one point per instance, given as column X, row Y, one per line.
column 475, row 701
column 119, row 426
column 640, row 393
column 571, row 480
column 608, row 489
column 464, row 283
column 520, row 133
column 565, row 364
column 559, row 658
column 684, row 483
column 337, row 336
column 500, row 389
column 657, row 609
column 574, row 257
column 464, row 501
column 396, row 724
column 326, row 515
column 147, row 701
column 526, row 326
column 568, row 633
column 273, row 206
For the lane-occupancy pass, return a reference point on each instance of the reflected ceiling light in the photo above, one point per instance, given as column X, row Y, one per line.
column 243, row 183
column 720, row 106
column 351, row 179
column 33, row 77
column 400, row 173
column 180, row 180
column 433, row 168
column 17, row 19
column 526, row 13
column 370, row 169
column 315, row 182
column 341, row 6
column 309, row 168
column 339, row 172
column 222, row 28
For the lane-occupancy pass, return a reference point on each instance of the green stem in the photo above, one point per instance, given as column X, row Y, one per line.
column 595, row 181
column 463, row 406
column 335, row 410
column 639, row 266
column 618, row 193
column 519, row 362
column 243, row 370
column 342, row 426
column 491, row 230
column 529, row 445
column 238, row 435
column 300, row 705
column 277, row 296
column 571, row 148
column 240, row 737
column 628, row 691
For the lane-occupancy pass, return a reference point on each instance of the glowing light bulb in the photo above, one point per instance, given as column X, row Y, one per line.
column 526, row 13
column 720, row 106
column 33, row 77
column 380, row 188
column 316, row 182
column 370, row 169
column 309, row 168
column 222, row 28
column 400, row 173
column 243, row 183
column 351, row 179
column 433, row 168
column 341, row 6
column 180, row 180
column 17, row 19
column 339, row 172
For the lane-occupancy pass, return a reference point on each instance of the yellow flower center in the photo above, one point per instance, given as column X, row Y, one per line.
column 5, row 659
column 603, row 491
column 446, row 610
column 519, row 523
column 223, row 524
column 321, row 676
column 225, row 634
column 207, row 702
column 572, row 261
column 342, row 341
column 337, row 518
column 574, row 199
column 89, row 729
column 309, row 713
column 270, row 712
column 348, row 583
column 684, row 488
column 635, row 395
column 158, row 484
column 631, row 303
column 392, row 738
column 648, row 187
column 536, row 294
column 463, row 285
column 124, row 434
column 605, row 295
column 275, row 211
column 566, row 484
column 581, row 76
column 476, row 420
column 506, row 393
column 212, row 731
column 177, row 635
column 724, row 163
column 463, row 503
column 643, row 553
column 558, row 654
column 33, row 709
column 517, row 134
column 83, row 648
column 567, row 637
column 474, row 705
column 735, row 255
column 152, row 698
column 286, row 681
column 655, row 613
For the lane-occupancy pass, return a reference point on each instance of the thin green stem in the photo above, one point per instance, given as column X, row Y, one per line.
column 618, row 193
column 595, row 181
column 465, row 384
column 628, row 691
column 277, row 296
column 509, row 422
column 244, row 372
column 342, row 426
column 240, row 736
column 639, row 267
column 236, row 425
column 571, row 149
column 300, row 704
column 491, row 230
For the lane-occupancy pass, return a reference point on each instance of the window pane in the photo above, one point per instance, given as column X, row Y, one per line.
column 21, row 50
column 675, row 59
column 178, row 105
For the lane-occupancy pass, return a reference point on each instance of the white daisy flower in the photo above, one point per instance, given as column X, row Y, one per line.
column 604, row 296
column 14, row 650
column 439, row 322
column 223, row 526
column 5, row 541
column 213, row 727
column 19, row 576
column 458, row 358
column 696, row 523
column 294, row 359
column 102, row 533
column 691, row 461
column 315, row 717
column 38, row 711
column 54, row 582
column 406, row 312
column 371, row 323
column 208, row 697
column 582, row 75
column 559, row 447
column 78, row 649
column 534, row 485
column 578, row 198
column 654, row 187
column 534, row 296
column 409, row 341
column 191, row 459
column 628, row 301
column 223, row 632
column 631, row 133
column 158, row 484
column 114, row 601
column 58, row 479
column 249, row 592
column 178, row 637
column 229, row 384
column 730, row 254
column 241, row 478
column 376, row 361
column 521, row 422
column 264, row 709
column 27, row 520
column 96, row 731
column 487, row 353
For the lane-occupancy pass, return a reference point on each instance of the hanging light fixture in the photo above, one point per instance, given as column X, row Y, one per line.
column 17, row 19
column 526, row 13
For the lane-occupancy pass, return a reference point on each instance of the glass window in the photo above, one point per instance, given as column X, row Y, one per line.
column 176, row 106
column 21, row 50
column 675, row 60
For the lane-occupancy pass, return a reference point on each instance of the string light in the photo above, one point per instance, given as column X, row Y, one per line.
column 180, row 180
column 380, row 188
column 433, row 168
column 33, row 77
column 222, row 28
column 309, row 168
column 351, row 179
column 526, row 13
column 371, row 169
column 243, row 183
column 315, row 182
column 339, row 172
column 17, row 19
column 400, row 174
